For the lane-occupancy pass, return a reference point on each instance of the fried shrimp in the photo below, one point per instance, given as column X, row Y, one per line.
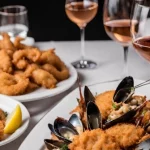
column 12, row 85
column 104, row 103
column 19, row 45
column 59, row 75
column 126, row 134
column 6, row 43
column 5, row 62
column 42, row 77
column 94, row 140
column 56, row 67
column 21, row 58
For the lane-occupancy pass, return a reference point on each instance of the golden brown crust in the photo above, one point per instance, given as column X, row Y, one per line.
column 104, row 103
column 126, row 134
column 94, row 140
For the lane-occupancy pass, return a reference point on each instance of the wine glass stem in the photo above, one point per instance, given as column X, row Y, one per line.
column 125, row 73
column 82, row 43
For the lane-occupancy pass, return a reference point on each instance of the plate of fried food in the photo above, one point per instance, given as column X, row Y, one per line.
column 28, row 73
column 108, row 116
column 14, row 119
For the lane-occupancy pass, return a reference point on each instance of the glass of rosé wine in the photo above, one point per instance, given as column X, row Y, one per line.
column 116, row 20
column 81, row 12
column 141, row 31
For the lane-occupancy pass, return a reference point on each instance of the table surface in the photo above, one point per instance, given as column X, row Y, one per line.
column 109, row 57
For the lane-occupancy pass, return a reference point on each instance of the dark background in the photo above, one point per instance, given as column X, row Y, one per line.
column 48, row 21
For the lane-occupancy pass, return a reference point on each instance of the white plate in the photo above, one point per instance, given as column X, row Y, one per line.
column 8, row 104
column 42, row 93
column 36, row 142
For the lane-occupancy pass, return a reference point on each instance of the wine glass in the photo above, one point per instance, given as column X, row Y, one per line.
column 116, row 20
column 81, row 12
column 141, row 30
column 14, row 20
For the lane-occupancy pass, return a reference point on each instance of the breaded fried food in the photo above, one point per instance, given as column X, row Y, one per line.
column 43, row 78
column 55, row 66
column 19, row 45
column 31, row 87
column 94, row 140
column 1, row 130
column 5, row 62
column 59, row 75
column 126, row 134
column 6, row 43
column 12, row 85
column 104, row 103
column 21, row 58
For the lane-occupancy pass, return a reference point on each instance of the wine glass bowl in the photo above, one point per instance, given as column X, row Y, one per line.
column 14, row 20
column 81, row 12
column 140, row 31
column 116, row 20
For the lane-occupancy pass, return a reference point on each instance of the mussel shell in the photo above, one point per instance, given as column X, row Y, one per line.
column 51, row 127
column 94, row 119
column 62, row 126
column 88, row 96
column 124, row 95
column 145, row 145
column 76, row 122
column 127, row 82
column 124, row 118
column 51, row 144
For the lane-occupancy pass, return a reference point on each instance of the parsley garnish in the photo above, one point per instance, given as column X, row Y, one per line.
column 64, row 147
column 114, row 106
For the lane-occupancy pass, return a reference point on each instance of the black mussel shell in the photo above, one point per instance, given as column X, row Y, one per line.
column 124, row 95
column 51, row 127
column 75, row 121
column 145, row 145
column 127, row 82
column 63, row 126
column 94, row 119
column 88, row 96
column 53, row 144
column 124, row 118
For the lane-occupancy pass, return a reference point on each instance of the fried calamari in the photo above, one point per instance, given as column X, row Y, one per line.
column 37, row 68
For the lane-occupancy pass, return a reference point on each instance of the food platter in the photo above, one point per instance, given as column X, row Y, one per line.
column 8, row 104
column 63, row 109
column 42, row 93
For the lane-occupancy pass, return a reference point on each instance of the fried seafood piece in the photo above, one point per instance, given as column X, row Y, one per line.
column 104, row 102
column 19, row 45
column 5, row 62
column 12, row 85
column 43, row 78
column 6, row 43
column 54, row 65
column 21, row 58
column 31, row 87
column 59, row 75
column 1, row 130
column 126, row 135
column 94, row 140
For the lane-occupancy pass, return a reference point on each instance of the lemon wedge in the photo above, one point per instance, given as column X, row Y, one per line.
column 13, row 121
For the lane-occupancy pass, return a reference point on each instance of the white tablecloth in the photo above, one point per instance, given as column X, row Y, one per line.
column 108, row 55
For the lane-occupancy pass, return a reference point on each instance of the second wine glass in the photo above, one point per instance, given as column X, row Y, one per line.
column 116, row 19
column 81, row 12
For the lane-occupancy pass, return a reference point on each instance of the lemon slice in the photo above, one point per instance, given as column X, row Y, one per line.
column 13, row 121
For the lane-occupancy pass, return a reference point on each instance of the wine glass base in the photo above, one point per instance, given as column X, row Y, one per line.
column 84, row 64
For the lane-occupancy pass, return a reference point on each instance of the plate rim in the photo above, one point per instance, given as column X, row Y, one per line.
column 75, row 75
column 47, row 114
column 26, row 124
